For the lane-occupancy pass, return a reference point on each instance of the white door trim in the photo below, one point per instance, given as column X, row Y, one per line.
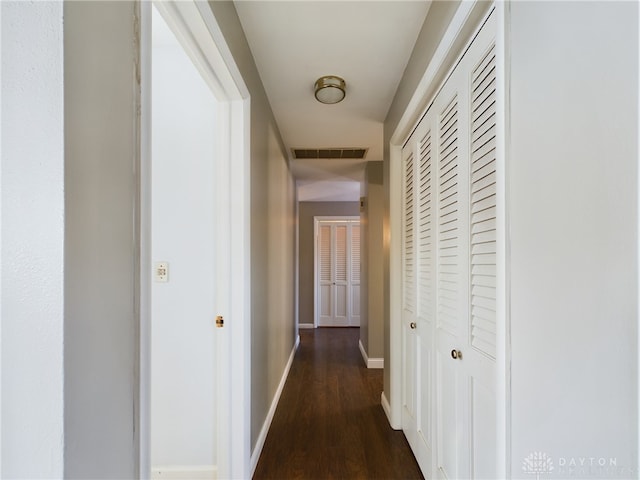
column 466, row 21
column 316, row 223
column 199, row 33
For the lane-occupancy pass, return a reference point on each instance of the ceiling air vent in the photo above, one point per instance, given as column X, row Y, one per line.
column 329, row 153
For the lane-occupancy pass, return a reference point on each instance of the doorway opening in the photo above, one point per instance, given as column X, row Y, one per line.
column 194, row 258
column 183, row 427
column 337, row 271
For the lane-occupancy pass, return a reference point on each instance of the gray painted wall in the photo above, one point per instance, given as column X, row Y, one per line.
column 101, row 158
column 306, row 212
column 372, row 248
column 272, row 232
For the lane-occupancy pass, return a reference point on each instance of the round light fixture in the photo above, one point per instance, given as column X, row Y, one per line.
column 330, row 89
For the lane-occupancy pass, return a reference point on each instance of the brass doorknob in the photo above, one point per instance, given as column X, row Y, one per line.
column 413, row 325
column 456, row 354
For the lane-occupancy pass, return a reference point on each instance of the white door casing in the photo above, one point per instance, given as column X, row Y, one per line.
column 337, row 271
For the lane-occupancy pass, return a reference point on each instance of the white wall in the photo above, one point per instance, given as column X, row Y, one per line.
column 573, row 189
column 182, row 325
column 102, row 101
column 32, row 225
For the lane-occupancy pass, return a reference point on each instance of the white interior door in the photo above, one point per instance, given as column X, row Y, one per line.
column 448, row 264
column 183, row 426
column 337, row 285
column 194, row 216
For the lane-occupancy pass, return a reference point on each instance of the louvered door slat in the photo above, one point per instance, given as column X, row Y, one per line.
column 448, row 213
column 485, row 68
column 355, row 254
column 483, row 94
column 484, row 318
column 341, row 253
column 325, row 253
column 484, row 214
column 484, row 175
column 425, row 237
column 483, row 226
column 408, row 241
column 483, row 153
column 483, row 206
column 486, row 116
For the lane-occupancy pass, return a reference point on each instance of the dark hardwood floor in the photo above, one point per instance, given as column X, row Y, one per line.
column 329, row 423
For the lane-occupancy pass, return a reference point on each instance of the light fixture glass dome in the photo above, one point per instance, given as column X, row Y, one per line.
column 330, row 89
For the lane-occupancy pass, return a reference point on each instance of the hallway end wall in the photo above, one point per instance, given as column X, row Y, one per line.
column 273, row 207
column 306, row 212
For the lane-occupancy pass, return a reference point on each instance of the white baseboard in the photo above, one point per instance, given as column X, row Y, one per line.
column 306, row 325
column 370, row 362
column 386, row 406
column 185, row 472
column 255, row 456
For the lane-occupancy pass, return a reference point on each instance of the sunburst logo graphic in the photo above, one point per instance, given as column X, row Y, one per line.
column 537, row 463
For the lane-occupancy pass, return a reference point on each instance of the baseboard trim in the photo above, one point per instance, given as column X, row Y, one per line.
column 185, row 472
column 370, row 362
column 386, row 406
column 255, row 456
column 306, row 325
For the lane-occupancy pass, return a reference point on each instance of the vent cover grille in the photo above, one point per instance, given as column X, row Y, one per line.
column 329, row 153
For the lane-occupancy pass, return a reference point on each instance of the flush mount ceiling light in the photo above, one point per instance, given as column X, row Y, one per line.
column 330, row 89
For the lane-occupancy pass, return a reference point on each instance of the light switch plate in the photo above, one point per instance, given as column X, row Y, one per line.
column 161, row 270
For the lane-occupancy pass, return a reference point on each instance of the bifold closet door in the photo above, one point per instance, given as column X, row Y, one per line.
column 449, row 273
column 418, row 298
column 338, row 285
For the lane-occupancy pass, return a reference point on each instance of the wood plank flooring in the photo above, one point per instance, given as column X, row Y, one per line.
column 329, row 423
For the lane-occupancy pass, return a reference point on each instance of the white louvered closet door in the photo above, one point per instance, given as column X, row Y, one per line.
column 449, row 273
column 466, row 267
column 338, row 283
column 418, row 287
column 409, row 294
column 450, row 263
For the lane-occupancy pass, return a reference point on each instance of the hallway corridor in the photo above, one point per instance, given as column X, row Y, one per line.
column 329, row 423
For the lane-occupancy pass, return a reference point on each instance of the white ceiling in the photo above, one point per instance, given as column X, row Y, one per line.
column 368, row 43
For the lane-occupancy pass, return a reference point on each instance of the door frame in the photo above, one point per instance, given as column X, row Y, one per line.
column 462, row 28
column 198, row 32
column 316, row 222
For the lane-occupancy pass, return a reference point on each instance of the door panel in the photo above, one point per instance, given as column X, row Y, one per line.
column 326, row 272
column 448, row 431
column 338, row 268
column 341, row 279
column 354, row 320
column 483, row 427
column 409, row 325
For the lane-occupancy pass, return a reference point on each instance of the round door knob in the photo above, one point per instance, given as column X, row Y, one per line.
column 413, row 325
column 455, row 354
